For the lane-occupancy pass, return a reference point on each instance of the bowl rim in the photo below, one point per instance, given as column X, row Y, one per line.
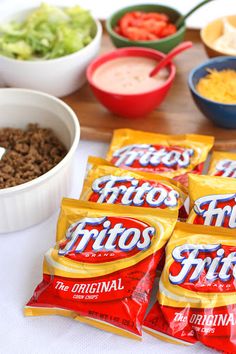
column 202, row 31
column 201, row 66
column 66, row 158
column 54, row 60
column 129, row 41
column 127, row 51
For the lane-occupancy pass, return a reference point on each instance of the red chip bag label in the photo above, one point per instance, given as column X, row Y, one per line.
column 102, row 269
column 196, row 296
column 216, row 210
column 226, row 168
column 105, row 183
column 152, row 157
column 209, row 206
column 131, row 191
column 223, row 164
column 94, row 238
column 170, row 155
column 204, row 268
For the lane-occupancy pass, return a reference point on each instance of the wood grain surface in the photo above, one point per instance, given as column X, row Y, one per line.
column 177, row 114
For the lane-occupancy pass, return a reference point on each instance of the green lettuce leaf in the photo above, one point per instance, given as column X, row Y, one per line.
column 48, row 32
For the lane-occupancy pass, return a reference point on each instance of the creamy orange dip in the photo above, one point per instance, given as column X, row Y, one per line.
column 129, row 75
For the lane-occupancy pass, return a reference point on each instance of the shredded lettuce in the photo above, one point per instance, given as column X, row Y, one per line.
column 48, row 32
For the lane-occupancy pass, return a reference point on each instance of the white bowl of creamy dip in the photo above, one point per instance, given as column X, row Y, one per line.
column 120, row 80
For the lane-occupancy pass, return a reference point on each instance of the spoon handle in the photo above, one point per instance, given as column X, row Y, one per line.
column 180, row 48
column 182, row 18
column 2, row 152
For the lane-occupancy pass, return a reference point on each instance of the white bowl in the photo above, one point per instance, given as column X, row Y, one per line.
column 32, row 202
column 58, row 77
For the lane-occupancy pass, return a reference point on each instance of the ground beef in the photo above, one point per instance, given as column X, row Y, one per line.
column 29, row 154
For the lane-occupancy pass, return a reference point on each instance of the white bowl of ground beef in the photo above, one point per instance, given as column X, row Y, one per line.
column 30, row 203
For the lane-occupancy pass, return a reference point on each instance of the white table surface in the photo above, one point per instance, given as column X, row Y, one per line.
column 22, row 252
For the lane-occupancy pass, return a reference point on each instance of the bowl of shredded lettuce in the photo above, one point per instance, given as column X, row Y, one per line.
column 48, row 48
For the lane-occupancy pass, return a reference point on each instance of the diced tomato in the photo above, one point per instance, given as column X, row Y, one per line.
column 137, row 14
column 168, row 30
column 154, row 27
column 126, row 21
column 151, row 37
column 137, row 22
column 139, row 26
column 155, row 16
column 137, row 34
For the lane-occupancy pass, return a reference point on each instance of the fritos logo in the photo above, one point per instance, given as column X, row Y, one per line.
column 130, row 191
column 204, row 268
column 216, row 210
column 106, row 238
column 226, row 168
column 152, row 157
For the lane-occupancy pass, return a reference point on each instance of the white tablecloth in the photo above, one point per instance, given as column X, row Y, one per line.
column 21, row 270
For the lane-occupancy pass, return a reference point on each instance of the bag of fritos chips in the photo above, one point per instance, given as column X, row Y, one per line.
column 212, row 201
column 223, row 164
column 105, row 183
column 102, row 268
column 197, row 291
column 170, row 155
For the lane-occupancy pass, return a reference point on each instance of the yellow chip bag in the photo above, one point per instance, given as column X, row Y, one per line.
column 105, row 183
column 102, row 268
column 212, row 201
column 170, row 155
column 197, row 289
column 223, row 164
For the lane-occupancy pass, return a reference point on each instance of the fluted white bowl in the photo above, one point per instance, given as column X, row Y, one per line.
column 32, row 202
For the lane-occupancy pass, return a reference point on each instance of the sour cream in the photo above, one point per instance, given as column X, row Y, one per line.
column 227, row 42
column 129, row 75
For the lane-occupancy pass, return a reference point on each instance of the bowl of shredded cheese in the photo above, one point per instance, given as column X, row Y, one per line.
column 213, row 88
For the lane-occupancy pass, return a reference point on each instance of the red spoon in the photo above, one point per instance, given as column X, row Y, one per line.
column 177, row 50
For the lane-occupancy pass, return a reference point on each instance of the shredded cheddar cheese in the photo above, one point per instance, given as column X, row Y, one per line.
column 219, row 86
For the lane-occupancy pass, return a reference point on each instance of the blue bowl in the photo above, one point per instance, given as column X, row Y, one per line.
column 222, row 114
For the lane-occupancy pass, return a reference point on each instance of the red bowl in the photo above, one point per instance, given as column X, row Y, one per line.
column 130, row 105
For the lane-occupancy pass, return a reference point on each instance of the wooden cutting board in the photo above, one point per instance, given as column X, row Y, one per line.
column 177, row 114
